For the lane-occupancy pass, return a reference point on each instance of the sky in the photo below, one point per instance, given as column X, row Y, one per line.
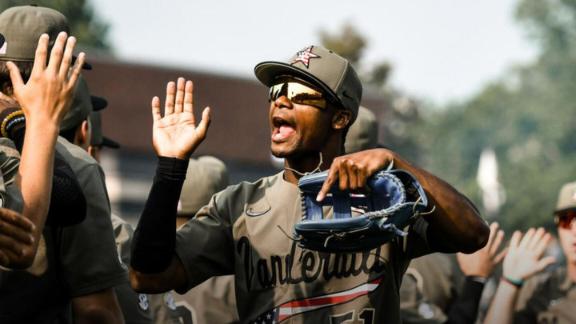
column 441, row 50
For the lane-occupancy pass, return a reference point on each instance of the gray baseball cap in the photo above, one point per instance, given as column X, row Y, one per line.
column 363, row 134
column 333, row 74
column 22, row 26
column 566, row 197
column 205, row 176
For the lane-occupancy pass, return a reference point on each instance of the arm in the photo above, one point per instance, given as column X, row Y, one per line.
column 477, row 267
column 523, row 260
column 454, row 226
column 154, row 265
column 100, row 307
column 44, row 99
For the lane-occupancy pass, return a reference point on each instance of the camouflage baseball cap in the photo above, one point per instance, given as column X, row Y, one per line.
column 363, row 134
column 333, row 74
column 22, row 26
column 205, row 176
column 566, row 197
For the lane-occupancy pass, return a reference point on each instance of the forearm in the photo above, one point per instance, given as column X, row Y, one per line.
column 455, row 225
column 36, row 169
column 501, row 309
column 465, row 307
column 154, row 239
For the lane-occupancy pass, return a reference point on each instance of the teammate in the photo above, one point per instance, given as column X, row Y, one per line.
column 313, row 101
column 526, row 293
column 43, row 108
column 442, row 288
column 72, row 278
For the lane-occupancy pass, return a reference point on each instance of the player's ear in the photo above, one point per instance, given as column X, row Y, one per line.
column 341, row 119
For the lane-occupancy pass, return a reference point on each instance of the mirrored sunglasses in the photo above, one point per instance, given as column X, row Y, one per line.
column 298, row 93
column 564, row 218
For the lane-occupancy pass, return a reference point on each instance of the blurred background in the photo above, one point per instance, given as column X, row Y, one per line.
column 481, row 93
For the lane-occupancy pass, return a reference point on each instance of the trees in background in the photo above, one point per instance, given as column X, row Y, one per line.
column 91, row 32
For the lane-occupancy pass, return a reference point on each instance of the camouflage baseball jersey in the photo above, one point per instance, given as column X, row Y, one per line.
column 10, row 195
column 244, row 231
column 71, row 261
column 213, row 301
column 548, row 298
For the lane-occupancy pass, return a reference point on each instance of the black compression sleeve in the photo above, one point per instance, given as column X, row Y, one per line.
column 465, row 307
column 154, row 239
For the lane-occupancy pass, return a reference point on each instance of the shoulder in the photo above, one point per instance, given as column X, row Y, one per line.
column 74, row 155
column 248, row 190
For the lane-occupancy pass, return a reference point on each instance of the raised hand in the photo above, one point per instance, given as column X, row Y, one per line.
column 524, row 257
column 48, row 93
column 482, row 262
column 176, row 134
column 16, row 238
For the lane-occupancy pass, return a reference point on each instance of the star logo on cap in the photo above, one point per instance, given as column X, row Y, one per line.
column 304, row 56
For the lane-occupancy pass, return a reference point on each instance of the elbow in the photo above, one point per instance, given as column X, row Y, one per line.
column 478, row 238
column 137, row 281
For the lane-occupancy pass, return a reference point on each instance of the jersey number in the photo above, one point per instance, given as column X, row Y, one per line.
column 366, row 316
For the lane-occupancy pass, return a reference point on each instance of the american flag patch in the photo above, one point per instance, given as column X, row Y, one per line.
column 295, row 307
column 304, row 56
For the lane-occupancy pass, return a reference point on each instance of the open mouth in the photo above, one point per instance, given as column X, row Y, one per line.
column 282, row 129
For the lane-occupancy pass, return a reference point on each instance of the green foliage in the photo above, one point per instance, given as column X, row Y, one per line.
column 90, row 31
column 528, row 118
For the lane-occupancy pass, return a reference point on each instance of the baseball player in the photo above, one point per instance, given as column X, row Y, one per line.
column 20, row 235
column 526, row 293
column 314, row 99
column 77, row 266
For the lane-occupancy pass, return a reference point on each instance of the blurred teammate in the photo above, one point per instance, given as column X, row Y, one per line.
column 72, row 279
column 526, row 293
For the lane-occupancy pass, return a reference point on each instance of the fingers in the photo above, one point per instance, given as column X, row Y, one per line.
column 4, row 260
column 179, row 102
column 15, row 76
column 41, row 54
column 330, row 179
column 57, row 52
column 500, row 256
column 545, row 262
column 541, row 245
column 16, row 219
column 66, row 60
column 156, row 116
column 515, row 240
column 189, row 97
column 170, row 96
column 499, row 237
column 536, row 238
column 526, row 239
column 202, row 128
column 76, row 69
column 343, row 177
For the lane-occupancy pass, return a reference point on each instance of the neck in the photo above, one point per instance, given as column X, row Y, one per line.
column 296, row 167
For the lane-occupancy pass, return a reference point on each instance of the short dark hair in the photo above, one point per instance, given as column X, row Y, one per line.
column 25, row 68
column 70, row 133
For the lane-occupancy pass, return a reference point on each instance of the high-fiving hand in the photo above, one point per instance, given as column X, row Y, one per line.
column 482, row 262
column 48, row 93
column 524, row 257
column 176, row 134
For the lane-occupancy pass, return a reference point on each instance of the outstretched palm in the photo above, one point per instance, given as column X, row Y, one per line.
column 177, row 134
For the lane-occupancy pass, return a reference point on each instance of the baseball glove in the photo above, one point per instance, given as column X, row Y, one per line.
column 390, row 201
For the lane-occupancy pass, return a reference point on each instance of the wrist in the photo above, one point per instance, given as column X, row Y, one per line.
column 518, row 283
